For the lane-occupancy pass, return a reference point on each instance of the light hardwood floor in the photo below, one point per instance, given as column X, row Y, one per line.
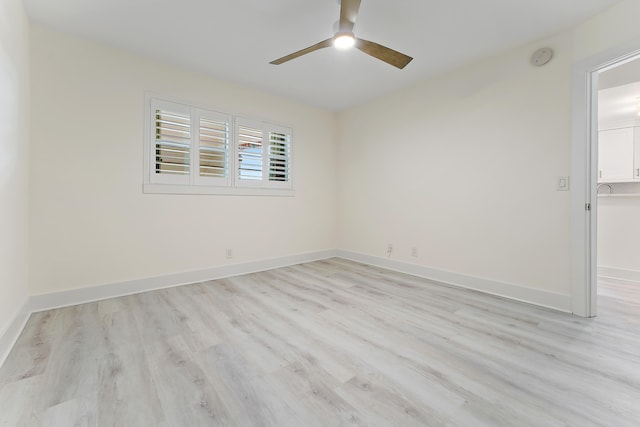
column 327, row 343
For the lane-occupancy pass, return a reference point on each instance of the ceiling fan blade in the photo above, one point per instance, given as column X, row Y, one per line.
column 321, row 45
column 390, row 56
column 348, row 14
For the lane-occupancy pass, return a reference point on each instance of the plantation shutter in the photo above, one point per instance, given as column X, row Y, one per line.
column 213, row 148
column 278, row 156
column 249, row 152
column 171, row 142
column 191, row 148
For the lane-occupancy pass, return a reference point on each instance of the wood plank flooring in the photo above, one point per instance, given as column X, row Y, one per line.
column 328, row 343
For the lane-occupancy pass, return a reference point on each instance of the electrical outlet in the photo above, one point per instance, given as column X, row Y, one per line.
column 229, row 253
column 414, row 251
column 389, row 248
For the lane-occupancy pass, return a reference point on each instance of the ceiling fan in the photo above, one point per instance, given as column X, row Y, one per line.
column 345, row 38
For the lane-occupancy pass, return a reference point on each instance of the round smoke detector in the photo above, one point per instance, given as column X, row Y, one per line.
column 541, row 56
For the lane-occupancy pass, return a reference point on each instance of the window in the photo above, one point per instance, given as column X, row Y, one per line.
column 196, row 150
column 263, row 154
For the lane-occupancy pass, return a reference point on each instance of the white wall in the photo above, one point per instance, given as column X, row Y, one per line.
column 463, row 166
column 618, row 236
column 619, row 76
column 619, row 232
column 14, row 98
column 614, row 27
column 90, row 222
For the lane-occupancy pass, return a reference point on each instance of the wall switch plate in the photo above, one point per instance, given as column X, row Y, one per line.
column 562, row 183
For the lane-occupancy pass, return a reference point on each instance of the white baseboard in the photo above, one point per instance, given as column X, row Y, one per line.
column 12, row 332
column 618, row 274
column 538, row 297
column 42, row 302
column 113, row 290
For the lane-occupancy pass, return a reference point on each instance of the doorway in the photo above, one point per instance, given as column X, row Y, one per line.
column 618, row 181
column 585, row 172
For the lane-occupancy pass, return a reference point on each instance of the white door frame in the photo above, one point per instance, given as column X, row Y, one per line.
column 584, row 166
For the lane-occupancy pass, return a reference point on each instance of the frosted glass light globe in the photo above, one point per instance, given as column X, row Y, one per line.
column 344, row 40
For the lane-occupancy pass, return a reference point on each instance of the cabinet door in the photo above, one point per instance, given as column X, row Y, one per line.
column 615, row 155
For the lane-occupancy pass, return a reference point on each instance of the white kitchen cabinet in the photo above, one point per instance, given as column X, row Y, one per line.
column 619, row 155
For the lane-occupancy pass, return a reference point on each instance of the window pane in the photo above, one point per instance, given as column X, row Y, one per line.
column 249, row 153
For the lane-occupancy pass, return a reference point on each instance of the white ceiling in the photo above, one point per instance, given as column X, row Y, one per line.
column 235, row 39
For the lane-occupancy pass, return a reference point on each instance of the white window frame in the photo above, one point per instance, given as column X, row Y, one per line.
column 194, row 183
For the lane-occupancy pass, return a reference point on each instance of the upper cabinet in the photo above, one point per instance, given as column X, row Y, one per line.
column 619, row 155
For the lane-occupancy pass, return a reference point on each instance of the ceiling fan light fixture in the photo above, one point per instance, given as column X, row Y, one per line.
column 344, row 40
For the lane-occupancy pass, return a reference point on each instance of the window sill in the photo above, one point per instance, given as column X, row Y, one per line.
column 220, row 191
